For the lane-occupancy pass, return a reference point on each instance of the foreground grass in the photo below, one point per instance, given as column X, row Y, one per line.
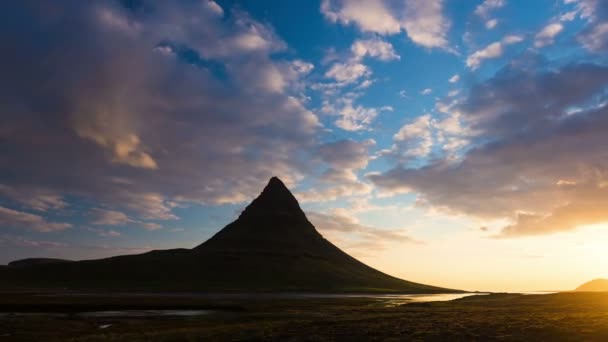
column 559, row 317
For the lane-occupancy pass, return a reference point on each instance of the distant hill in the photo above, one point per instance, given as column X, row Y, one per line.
column 270, row 247
column 597, row 285
column 36, row 261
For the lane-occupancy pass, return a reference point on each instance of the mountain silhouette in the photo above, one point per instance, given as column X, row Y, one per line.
column 270, row 247
column 597, row 285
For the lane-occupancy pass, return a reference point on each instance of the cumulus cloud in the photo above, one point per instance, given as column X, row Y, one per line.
column 347, row 73
column 335, row 184
column 547, row 35
column 425, row 23
column 129, row 108
column 491, row 51
column 10, row 218
column 352, row 116
column 414, row 139
column 346, row 154
column 483, row 10
column 110, row 217
column 535, row 162
column 340, row 94
column 454, row 79
column 344, row 158
column 445, row 132
column 369, row 16
column 374, row 48
column 422, row 20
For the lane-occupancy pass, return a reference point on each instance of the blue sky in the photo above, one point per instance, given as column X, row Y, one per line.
column 412, row 131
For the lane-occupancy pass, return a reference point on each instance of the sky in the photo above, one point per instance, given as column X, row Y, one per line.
column 457, row 143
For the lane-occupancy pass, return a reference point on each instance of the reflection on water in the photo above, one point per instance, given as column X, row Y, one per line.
column 437, row 297
column 441, row 297
column 400, row 299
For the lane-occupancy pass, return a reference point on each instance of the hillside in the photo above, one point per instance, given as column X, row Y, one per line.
column 270, row 247
column 597, row 285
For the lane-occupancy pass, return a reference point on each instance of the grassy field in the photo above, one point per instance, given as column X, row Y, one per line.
column 557, row 317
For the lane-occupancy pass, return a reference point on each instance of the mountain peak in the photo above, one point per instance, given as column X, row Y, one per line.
column 276, row 186
column 276, row 181
column 272, row 221
column 274, row 199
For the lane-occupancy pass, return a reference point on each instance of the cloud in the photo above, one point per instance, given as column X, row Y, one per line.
column 335, row 184
column 347, row 73
column 483, row 10
column 10, row 218
column 32, row 198
column 520, row 118
column 425, row 24
column 594, row 36
column 125, row 148
column 454, row 79
column 568, row 16
column 418, row 138
column 339, row 96
column 414, row 139
column 352, row 117
column 422, row 20
column 368, row 16
column 376, row 48
column 110, row 217
column 490, row 24
column 344, row 158
column 547, row 34
column 346, row 154
column 104, row 232
column 110, row 118
column 426, row 91
column 347, row 232
column 105, row 217
column 491, row 51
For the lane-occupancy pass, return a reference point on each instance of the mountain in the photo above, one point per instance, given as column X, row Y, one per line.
column 597, row 285
column 270, row 247
column 36, row 261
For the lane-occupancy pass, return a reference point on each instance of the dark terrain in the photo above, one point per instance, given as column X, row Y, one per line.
column 271, row 247
column 499, row 317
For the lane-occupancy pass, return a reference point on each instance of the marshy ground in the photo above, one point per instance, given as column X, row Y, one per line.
column 504, row 317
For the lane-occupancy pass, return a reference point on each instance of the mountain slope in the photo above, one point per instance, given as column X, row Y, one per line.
column 597, row 285
column 271, row 247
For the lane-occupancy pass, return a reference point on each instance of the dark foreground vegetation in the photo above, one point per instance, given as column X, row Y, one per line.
column 504, row 317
